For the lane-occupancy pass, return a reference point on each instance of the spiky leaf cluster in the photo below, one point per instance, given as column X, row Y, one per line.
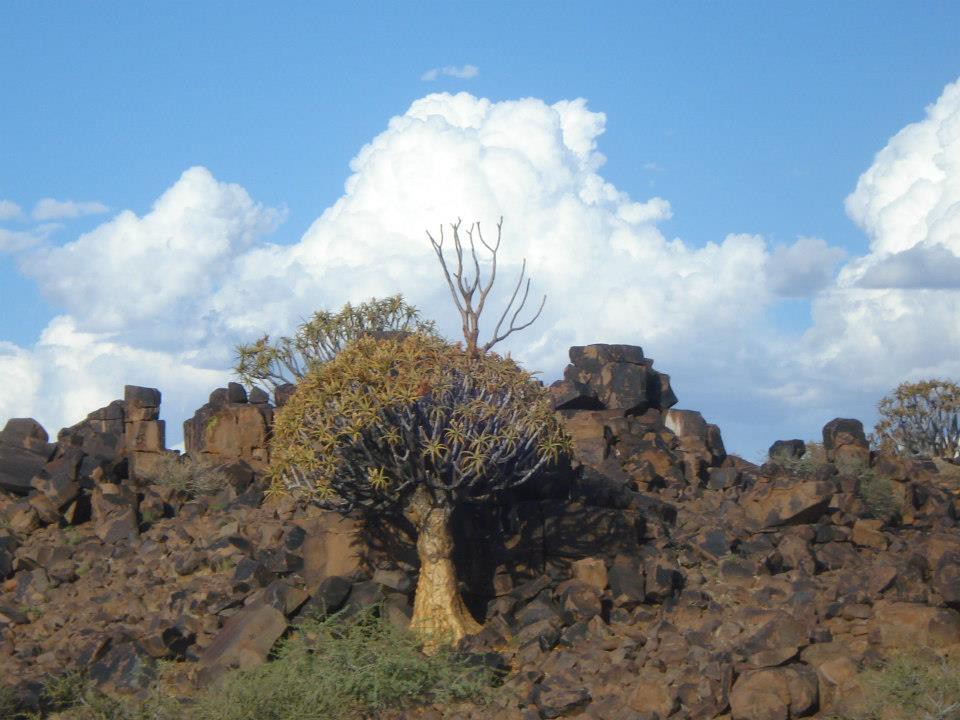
column 921, row 418
column 387, row 415
column 270, row 364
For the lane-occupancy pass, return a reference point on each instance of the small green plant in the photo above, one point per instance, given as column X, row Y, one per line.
column 808, row 464
column 223, row 565
column 150, row 516
column 877, row 493
column 9, row 702
column 72, row 696
column 211, row 423
column 911, row 686
column 193, row 477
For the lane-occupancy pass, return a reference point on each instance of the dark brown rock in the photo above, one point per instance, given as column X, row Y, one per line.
column 17, row 466
column 244, row 642
column 26, row 433
column 803, row 502
column 114, row 513
column 787, row 449
column 124, row 668
column 556, row 698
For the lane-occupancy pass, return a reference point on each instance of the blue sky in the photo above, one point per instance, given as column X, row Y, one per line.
column 747, row 118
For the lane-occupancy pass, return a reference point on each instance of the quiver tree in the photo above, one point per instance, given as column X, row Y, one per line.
column 921, row 418
column 285, row 361
column 414, row 423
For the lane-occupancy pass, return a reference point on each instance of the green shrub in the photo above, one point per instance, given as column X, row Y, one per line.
column 912, row 686
column 8, row 702
column 812, row 460
column 193, row 477
column 877, row 494
column 342, row 668
column 339, row 668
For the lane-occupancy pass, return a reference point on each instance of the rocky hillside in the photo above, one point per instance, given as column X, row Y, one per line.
column 653, row 576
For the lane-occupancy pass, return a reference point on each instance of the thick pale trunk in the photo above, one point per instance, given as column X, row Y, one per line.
column 439, row 614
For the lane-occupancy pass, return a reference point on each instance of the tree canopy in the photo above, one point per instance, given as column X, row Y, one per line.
column 921, row 418
column 387, row 414
column 286, row 360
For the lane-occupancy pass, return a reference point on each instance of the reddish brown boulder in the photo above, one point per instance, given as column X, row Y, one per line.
column 774, row 694
column 230, row 429
column 846, row 444
column 592, row 571
column 653, row 694
column 897, row 625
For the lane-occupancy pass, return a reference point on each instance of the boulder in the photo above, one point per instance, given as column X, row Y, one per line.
column 18, row 465
column 686, row 423
column 846, row 444
column 243, row 642
column 612, row 377
column 228, row 429
column 774, row 694
column 653, row 694
column 788, row 449
column 125, row 668
column 100, row 436
column 331, row 547
column 803, row 502
column 114, row 513
column 26, row 433
column 592, row 571
column 896, row 625
column 144, row 432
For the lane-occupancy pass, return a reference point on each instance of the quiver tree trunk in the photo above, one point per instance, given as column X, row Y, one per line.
column 439, row 613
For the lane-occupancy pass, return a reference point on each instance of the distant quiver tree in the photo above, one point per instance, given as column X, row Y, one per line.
column 409, row 421
column 270, row 364
column 921, row 418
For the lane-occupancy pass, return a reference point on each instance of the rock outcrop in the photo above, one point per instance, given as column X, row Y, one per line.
column 231, row 427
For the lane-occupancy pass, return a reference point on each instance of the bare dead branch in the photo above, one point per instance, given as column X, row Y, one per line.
column 464, row 291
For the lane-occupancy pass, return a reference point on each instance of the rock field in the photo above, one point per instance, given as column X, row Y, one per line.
column 652, row 576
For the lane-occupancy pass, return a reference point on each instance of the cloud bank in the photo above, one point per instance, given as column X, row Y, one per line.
column 161, row 299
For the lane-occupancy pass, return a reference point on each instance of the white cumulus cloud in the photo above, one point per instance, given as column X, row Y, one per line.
column 152, row 276
column 800, row 269
column 465, row 72
column 893, row 313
